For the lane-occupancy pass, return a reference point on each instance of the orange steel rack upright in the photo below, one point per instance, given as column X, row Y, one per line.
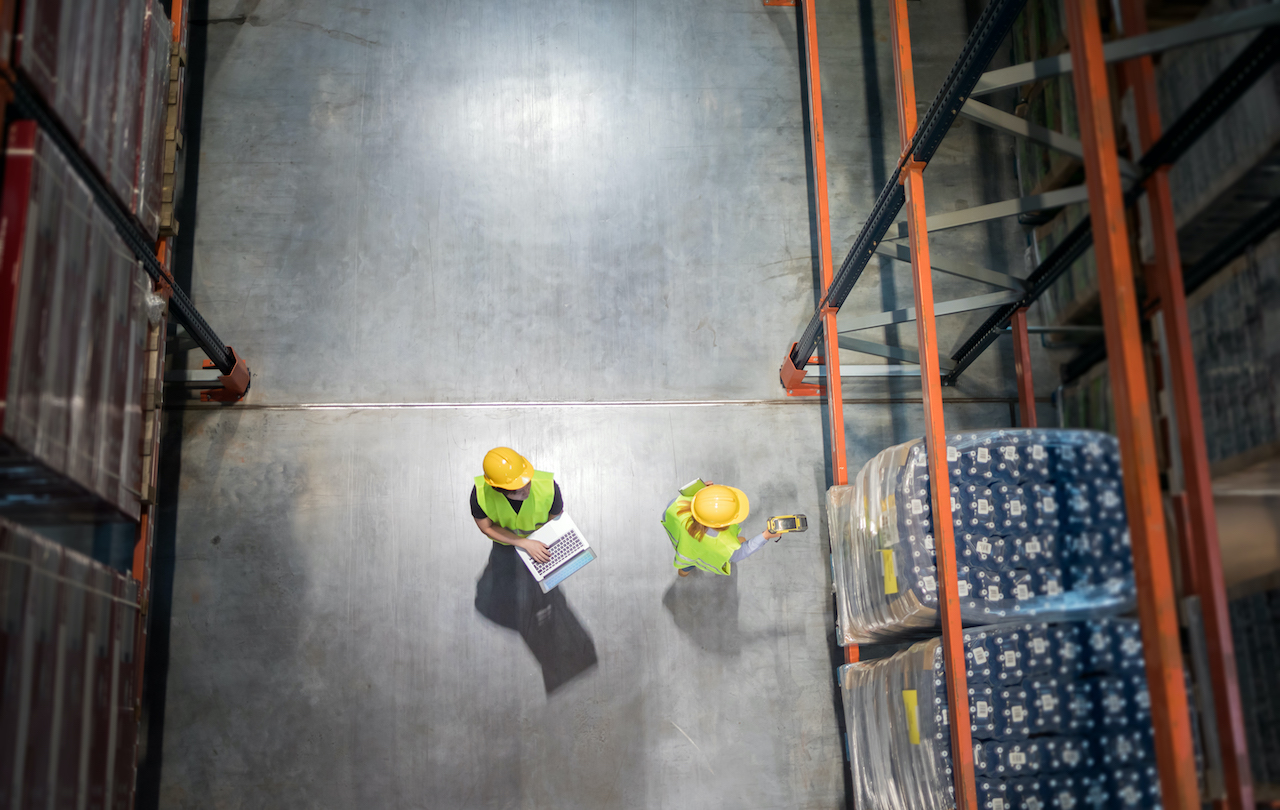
column 230, row 385
column 794, row 380
column 935, row 437
column 1198, row 533
column 1108, row 199
column 1157, row 604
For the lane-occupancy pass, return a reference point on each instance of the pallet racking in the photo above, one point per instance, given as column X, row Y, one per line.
column 1111, row 187
column 226, row 378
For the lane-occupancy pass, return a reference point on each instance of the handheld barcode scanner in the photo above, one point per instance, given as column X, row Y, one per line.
column 783, row 524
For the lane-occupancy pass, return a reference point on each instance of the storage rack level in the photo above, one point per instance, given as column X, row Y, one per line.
column 227, row 377
column 1108, row 198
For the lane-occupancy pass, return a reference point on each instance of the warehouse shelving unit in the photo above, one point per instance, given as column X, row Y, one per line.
column 225, row 378
column 1112, row 186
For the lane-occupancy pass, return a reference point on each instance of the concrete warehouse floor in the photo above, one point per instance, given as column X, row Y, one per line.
column 581, row 228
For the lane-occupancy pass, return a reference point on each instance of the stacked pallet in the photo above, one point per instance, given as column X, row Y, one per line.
column 1059, row 709
column 71, row 346
column 67, row 631
column 1039, row 525
column 73, row 320
column 103, row 67
column 1060, row 717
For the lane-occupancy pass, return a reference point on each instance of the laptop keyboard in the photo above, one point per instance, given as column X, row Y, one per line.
column 566, row 546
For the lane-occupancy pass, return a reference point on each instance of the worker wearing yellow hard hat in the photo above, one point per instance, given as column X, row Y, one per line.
column 704, row 523
column 512, row 499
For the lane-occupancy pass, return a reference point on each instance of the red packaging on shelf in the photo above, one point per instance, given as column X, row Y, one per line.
column 31, row 418
column 38, row 45
column 127, row 118
column 158, row 37
column 105, row 65
column 90, row 368
column 14, row 210
column 74, row 330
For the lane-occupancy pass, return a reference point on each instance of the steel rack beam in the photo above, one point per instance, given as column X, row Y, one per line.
column 1199, row 535
column 900, row 353
column 1002, row 121
column 1005, row 208
column 30, row 105
column 852, row 372
column 992, row 27
column 945, row 308
column 1144, row 501
column 993, row 277
column 1252, row 63
column 1120, row 50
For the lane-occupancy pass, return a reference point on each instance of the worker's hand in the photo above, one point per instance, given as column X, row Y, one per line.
column 768, row 535
column 538, row 551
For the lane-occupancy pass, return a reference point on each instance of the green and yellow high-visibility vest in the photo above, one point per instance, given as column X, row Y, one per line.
column 535, row 511
column 711, row 554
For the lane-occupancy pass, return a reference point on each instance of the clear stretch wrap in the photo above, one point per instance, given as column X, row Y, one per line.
column 1060, row 717
column 1040, row 533
column 103, row 68
column 72, row 357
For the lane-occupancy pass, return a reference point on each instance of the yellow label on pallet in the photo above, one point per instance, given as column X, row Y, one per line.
column 890, row 576
column 913, row 715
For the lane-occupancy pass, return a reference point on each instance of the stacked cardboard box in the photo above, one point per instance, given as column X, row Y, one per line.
column 1059, row 713
column 103, row 67
column 1039, row 523
column 68, row 720
column 73, row 326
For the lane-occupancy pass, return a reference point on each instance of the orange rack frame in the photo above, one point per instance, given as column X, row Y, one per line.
column 1104, row 190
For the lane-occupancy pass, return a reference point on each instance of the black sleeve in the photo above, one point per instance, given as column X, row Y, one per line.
column 476, row 511
column 557, row 503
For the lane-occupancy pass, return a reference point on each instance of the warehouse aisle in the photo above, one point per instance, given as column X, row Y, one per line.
column 577, row 228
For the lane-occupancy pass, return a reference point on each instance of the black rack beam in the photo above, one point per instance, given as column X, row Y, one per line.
column 1237, row 242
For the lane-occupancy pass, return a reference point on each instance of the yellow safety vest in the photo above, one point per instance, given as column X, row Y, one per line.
column 535, row 511
column 711, row 554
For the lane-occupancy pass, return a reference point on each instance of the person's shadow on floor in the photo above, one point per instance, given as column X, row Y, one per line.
column 508, row 596
column 705, row 608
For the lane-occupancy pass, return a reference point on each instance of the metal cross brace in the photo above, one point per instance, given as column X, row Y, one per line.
column 1121, row 49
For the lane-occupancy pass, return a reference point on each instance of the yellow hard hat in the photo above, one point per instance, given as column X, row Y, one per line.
column 504, row 468
column 718, row 506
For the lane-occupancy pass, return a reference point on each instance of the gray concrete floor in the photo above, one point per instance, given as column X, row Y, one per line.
column 577, row 228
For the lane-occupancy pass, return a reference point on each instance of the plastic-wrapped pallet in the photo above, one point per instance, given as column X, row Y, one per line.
column 103, row 68
column 1059, row 714
column 67, row 647
column 73, row 329
column 1039, row 525
column 147, row 186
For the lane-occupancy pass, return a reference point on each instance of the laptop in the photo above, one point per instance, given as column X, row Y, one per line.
column 569, row 552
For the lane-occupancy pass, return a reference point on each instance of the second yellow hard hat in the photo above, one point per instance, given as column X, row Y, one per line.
column 504, row 468
column 718, row 506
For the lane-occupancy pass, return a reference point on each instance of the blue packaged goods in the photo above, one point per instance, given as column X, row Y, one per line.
column 1025, row 753
column 1040, row 534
